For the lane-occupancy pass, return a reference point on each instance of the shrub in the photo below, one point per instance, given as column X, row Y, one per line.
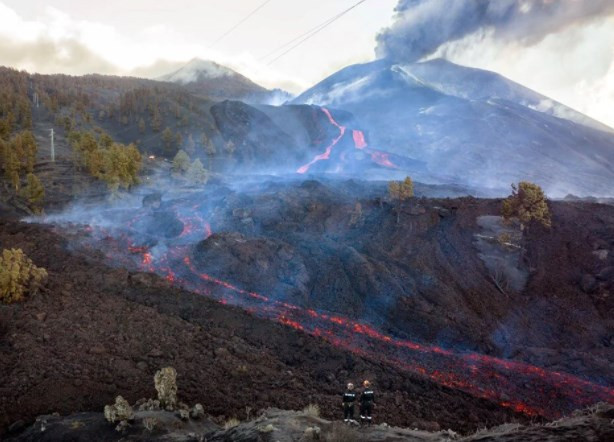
column 165, row 382
column 18, row 276
column 118, row 412
column 150, row 423
column 528, row 204
column 231, row 423
column 312, row 410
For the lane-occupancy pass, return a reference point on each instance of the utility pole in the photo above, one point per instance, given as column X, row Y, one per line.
column 52, row 148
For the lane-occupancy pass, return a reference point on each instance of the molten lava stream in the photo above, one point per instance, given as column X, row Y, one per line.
column 359, row 139
column 329, row 148
column 522, row 387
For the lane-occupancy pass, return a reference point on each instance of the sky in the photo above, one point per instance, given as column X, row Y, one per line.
column 573, row 64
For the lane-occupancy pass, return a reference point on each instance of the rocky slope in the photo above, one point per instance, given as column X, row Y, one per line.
column 596, row 424
column 96, row 332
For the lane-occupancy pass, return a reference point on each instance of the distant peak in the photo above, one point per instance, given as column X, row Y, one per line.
column 197, row 68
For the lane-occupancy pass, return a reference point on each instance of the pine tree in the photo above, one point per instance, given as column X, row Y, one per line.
column 528, row 204
column 141, row 126
column 181, row 162
column 156, row 121
column 33, row 192
column 168, row 139
column 400, row 191
column 29, row 150
column 196, row 173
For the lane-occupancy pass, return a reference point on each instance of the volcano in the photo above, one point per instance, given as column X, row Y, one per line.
column 471, row 126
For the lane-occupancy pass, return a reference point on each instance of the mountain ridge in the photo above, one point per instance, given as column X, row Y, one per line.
column 213, row 80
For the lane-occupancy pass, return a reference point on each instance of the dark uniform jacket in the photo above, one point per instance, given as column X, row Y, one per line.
column 367, row 396
column 349, row 397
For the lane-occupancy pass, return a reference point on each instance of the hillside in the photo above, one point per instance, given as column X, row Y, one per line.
column 472, row 127
column 212, row 80
column 125, row 325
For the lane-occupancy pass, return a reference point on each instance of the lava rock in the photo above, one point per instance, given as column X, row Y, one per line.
column 588, row 283
column 153, row 200
column 606, row 274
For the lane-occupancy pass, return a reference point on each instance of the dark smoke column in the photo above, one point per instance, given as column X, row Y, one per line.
column 421, row 27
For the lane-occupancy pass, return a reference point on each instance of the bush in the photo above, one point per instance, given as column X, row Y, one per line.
column 18, row 276
column 118, row 412
column 231, row 423
column 312, row 410
column 528, row 204
column 165, row 382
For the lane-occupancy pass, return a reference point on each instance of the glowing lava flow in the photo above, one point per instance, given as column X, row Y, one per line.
column 522, row 387
column 383, row 159
column 360, row 143
column 329, row 148
column 359, row 139
column 525, row 388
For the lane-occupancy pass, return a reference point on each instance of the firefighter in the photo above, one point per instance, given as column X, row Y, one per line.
column 367, row 401
column 349, row 397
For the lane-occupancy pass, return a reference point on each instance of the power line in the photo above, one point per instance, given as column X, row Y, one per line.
column 311, row 33
column 295, row 39
column 243, row 20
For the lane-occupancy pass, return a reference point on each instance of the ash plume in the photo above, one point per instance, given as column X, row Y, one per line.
column 421, row 27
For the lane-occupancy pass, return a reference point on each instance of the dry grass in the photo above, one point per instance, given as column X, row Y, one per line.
column 312, row 410
column 231, row 423
column 150, row 423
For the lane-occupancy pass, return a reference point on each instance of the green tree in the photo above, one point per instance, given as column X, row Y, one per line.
column 141, row 126
column 33, row 192
column 196, row 173
column 400, row 191
column 156, row 121
column 168, row 139
column 528, row 204
column 11, row 165
column 29, row 149
column 105, row 140
column 121, row 166
column 181, row 162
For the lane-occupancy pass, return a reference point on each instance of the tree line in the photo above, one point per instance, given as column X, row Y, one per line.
column 116, row 164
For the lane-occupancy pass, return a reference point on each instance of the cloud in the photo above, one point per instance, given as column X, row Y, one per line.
column 55, row 42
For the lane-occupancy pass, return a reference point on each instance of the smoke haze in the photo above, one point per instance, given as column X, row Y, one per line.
column 421, row 27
